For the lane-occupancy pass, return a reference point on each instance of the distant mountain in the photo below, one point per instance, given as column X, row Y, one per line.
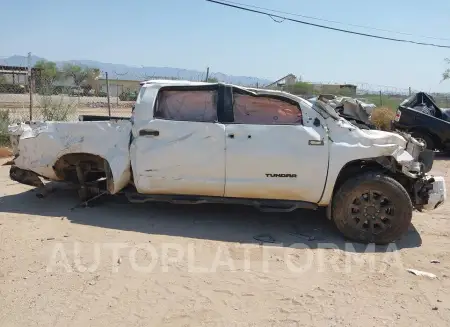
column 126, row 72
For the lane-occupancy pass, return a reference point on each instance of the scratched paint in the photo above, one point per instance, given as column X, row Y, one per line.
column 185, row 158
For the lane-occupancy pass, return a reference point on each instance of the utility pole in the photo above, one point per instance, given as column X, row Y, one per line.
column 30, row 85
column 107, row 94
column 207, row 74
column 117, row 85
column 117, row 92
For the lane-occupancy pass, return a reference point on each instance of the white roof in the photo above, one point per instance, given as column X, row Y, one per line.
column 162, row 82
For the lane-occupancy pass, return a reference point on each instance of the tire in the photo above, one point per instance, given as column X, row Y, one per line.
column 381, row 218
column 429, row 143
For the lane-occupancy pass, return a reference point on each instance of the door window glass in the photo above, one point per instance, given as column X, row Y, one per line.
column 192, row 105
column 264, row 110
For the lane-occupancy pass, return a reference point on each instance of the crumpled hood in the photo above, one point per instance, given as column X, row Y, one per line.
column 366, row 137
column 364, row 143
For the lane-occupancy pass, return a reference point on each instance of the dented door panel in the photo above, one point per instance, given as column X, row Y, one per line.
column 184, row 158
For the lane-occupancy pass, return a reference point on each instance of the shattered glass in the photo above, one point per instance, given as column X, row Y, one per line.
column 192, row 105
column 264, row 110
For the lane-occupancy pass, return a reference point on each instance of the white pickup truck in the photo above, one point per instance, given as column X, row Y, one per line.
column 196, row 142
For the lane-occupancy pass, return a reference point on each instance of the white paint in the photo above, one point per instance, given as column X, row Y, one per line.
column 278, row 149
column 42, row 144
column 438, row 194
column 185, row 158
column 198, row 158
column 350, row 143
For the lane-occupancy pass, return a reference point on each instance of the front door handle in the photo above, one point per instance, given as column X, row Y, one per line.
column 316, row 142
column 148, row 132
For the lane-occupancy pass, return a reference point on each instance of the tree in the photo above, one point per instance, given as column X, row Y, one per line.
column 82, row 76
column 446, row 73
column 92, row 79
column 78, row 74
column 47, row 75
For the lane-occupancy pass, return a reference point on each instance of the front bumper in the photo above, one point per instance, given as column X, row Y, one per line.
column 437, row 194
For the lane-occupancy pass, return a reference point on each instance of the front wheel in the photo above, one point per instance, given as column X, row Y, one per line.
column 372, row 208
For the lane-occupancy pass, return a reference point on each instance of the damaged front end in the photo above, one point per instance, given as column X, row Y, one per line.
column 427, row 191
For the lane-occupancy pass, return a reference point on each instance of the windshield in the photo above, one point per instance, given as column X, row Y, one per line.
column 322, row 108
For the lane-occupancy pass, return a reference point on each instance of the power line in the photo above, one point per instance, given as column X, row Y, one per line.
column 283, row 18
column 337, row 22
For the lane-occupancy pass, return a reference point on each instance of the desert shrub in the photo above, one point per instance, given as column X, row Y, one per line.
column 12, row 88
column 4, row 122
column 128, row 96
column 381, row 117
column 56, row 108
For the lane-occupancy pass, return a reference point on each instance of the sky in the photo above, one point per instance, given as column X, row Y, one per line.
column 195, row 34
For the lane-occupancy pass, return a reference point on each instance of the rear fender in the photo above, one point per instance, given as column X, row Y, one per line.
column 41, row 146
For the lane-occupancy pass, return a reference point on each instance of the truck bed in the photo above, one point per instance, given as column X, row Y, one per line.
column 100, row 118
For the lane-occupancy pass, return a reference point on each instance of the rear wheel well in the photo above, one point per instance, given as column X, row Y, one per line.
column 93, row 167
column 436, row 140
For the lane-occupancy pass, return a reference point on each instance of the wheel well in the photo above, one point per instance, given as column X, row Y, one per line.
column 436, row 140
column 385, row 164
column 356, row 167
column 92, row 166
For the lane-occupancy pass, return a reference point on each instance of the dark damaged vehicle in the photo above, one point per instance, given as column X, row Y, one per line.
column 420, row 116
column 193, row 142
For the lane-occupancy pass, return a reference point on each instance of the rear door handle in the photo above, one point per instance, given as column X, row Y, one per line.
column 148, row 132
column 231, row 136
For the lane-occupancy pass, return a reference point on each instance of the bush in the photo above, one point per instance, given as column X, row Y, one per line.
column 56, row 109
column 381, row 117
column 128, row 96
column 4, row 122
column 12, row 88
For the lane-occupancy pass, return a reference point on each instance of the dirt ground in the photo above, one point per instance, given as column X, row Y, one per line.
column 120, row 264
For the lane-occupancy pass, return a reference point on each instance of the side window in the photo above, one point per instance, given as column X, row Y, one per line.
column 264, row 110
column 187, row 105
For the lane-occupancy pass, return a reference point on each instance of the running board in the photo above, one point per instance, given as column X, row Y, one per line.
column 263, row 205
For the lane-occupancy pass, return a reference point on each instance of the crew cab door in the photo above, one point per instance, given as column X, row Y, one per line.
column 182, row 149
column 274, row 151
